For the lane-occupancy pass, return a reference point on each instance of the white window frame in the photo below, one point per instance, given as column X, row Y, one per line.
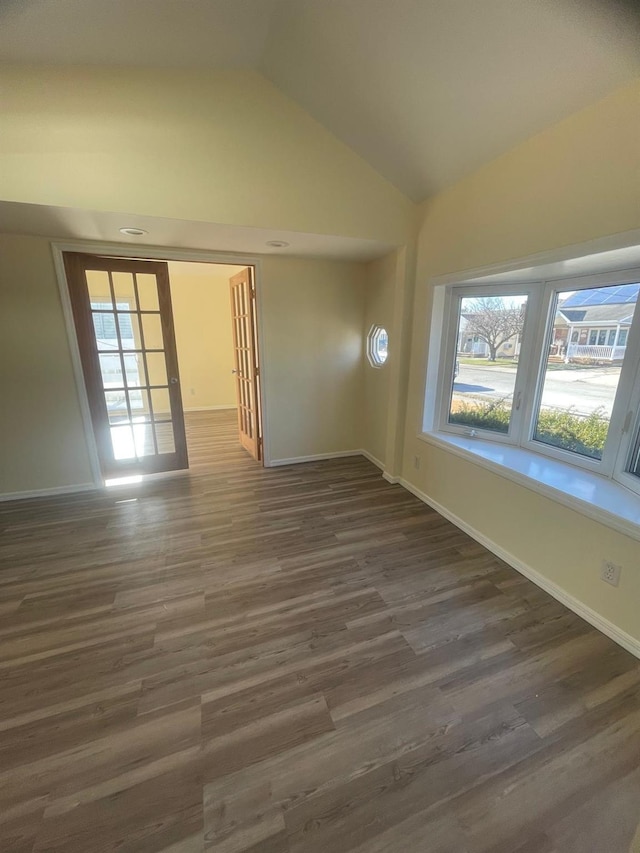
column 372, row 341
column 624, row 423
column 454, row 294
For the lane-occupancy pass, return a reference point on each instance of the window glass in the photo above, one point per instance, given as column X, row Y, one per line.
column 634, row 465
column 488, row 346
column 377, row 346
column 581, row 380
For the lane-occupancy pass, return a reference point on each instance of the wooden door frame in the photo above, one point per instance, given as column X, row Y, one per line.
column 154, row 253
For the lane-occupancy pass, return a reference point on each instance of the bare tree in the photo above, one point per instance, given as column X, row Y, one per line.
column 493, row 320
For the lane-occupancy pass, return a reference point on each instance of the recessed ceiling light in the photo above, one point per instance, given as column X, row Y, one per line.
column 133, row 232
column 277, row 244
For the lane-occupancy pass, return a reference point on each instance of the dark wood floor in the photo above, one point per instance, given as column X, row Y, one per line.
column 244, row 660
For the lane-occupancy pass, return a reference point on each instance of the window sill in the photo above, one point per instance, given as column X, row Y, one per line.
column 590, row 494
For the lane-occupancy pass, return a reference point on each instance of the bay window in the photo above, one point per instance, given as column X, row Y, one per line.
column 552, row 367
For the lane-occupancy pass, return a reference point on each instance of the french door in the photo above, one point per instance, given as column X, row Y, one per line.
column 124, row 326
column 247, row 367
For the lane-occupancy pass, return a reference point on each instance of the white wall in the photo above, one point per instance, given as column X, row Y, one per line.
column 312, row 325
column 223, row 147
column 312, row 337
column 204, row 337
column 575, row 182
column 41, row 433
column 380, row 294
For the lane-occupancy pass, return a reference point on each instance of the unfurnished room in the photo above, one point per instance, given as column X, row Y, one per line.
column 320, row 421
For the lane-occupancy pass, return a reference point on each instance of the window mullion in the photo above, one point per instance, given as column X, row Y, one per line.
column 534, row 375
column 625, row 419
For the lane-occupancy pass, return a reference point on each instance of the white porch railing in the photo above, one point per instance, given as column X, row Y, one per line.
column 595, row 352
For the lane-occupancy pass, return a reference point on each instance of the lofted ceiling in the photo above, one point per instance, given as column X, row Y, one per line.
column 424, row 90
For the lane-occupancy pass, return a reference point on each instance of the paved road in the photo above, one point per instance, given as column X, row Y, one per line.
column 585, row 389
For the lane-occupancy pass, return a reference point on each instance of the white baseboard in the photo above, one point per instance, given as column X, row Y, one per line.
column 631, row 644
column 207, row 408
column 316, row 457
column 373, row 459
column 390, row 478
column 48, row 493
column 319, row 457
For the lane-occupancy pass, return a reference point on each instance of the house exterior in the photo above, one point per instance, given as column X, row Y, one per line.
column 473, row 346
column 593, row 326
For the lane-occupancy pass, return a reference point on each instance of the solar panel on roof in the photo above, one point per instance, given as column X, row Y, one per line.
column 618, row 294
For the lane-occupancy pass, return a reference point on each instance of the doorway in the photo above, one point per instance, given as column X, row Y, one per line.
column 139, row 386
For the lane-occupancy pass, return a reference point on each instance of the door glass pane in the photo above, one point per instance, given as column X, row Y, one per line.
column 157, row 368
column 99, row 290
column 124, row 291
column 161, row 404
column 104, row 327
column 581, row 380
column 147, row 292
column 111, row 371
column 152, row 330
column 122, row 442
column 129, row 331
column 143, row 439
column 139, row 403
column 134, row 366
column 166, row 442
column 116, row 407
column 489, row 338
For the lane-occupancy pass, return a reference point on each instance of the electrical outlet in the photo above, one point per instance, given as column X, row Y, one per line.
column 416, row 463
column 610, row 573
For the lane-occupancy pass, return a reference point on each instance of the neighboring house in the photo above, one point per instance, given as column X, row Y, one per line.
column 473, row 345
column 593, row 325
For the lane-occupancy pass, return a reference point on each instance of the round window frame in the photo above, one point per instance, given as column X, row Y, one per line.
column 373, row 339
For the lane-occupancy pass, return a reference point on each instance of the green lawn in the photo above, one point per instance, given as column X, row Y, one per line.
column 484, row 362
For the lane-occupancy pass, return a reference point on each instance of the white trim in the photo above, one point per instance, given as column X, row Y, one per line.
column 373, row 459
column 631, row 644
column 78, row 373
column 338, row 454
column 471, row 451
column 598, row 245
column 314, row 457
column 49, row 493
column 152, row 253
column 209, row 408
column 390, row 478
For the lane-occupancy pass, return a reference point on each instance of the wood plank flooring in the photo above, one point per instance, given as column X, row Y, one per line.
column 296, row 660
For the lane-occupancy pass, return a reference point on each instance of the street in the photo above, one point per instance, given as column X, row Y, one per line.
column 583, row 389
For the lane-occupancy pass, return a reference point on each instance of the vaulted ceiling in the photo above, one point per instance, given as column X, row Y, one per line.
column 424, row 90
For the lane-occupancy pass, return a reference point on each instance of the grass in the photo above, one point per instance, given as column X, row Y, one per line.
column 567, row 430
column 484, row 362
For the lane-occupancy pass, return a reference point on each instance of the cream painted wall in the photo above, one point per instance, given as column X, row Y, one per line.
column 204, row 338
column 312, row 339
column 378, row 310
column 41, row 434
column 577, row 181
column 223, row 147
column 312, row 336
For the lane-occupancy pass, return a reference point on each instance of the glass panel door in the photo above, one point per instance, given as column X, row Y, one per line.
column 122, row 310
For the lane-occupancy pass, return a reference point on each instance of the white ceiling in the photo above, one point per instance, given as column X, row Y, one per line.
column 424, row 90
column 162, row 33
column 70, row 223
